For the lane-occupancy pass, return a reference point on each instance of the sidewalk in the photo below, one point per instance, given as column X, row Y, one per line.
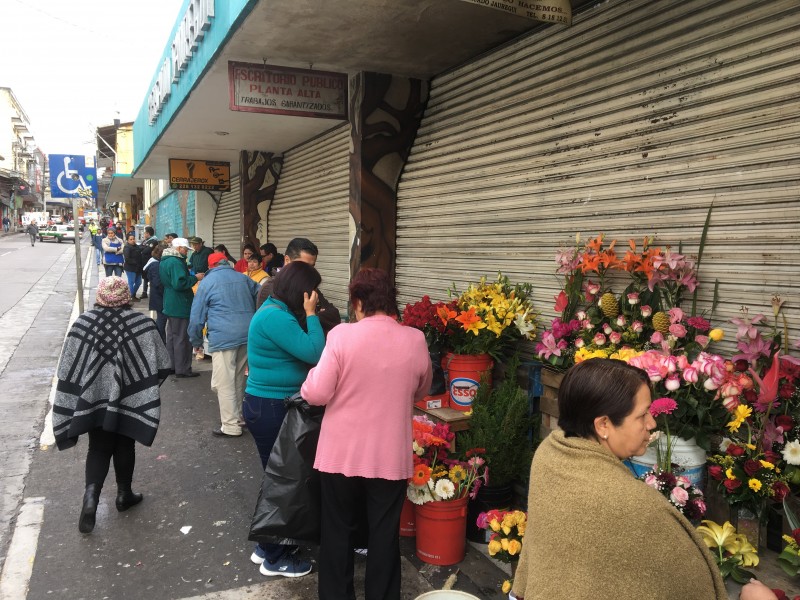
column 193, row 480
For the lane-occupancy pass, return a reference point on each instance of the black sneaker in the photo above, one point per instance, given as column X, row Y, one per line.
column 143, row 296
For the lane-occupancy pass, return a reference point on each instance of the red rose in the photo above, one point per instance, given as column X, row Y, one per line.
column 750, row 396
column 786, row 391
column 771, row 456
column 741, row 365
column 731, row 484
column 751, row 467
column 716, row 472
column 734, row 450
column 796, row 535
column 779, row 491
column 785, row 422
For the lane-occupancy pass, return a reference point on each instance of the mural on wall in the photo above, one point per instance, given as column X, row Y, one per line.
column 175, row 213
column 385, row 112
column 260, row 173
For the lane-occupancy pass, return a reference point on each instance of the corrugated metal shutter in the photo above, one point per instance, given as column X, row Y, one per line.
column 312, row 201
column 228, row 220
column 631, row 122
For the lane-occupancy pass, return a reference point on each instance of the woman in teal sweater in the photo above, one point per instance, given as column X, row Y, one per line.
column 285, row 340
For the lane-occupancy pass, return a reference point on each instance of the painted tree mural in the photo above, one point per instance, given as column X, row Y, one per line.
column 260, row 173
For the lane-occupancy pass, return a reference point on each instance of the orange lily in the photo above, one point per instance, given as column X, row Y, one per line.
column 590, row 262
column 470, row 321
column 445, row 314
column 596, row 243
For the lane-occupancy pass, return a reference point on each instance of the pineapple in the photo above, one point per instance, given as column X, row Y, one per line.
column 609, row 305
column 661, row 322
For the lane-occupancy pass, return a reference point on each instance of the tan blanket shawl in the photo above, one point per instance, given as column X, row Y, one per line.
column 595, row 532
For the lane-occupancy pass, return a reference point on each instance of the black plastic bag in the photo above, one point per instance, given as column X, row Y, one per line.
column 288, row 507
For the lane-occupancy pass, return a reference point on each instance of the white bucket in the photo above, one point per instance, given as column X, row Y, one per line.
column 446, row 595
column 685, row 453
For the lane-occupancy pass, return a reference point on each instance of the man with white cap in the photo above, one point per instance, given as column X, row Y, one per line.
column 178, row 296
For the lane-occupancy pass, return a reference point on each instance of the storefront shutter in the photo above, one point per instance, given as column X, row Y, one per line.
column 311, row 201
column 228, row 219
column 631, row 122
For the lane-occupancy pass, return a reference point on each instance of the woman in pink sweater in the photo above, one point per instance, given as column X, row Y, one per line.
column 369, row 376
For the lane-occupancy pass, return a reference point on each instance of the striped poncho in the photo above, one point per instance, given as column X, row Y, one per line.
column 111, row 365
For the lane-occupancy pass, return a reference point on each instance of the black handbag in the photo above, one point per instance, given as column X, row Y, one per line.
column 288, row 506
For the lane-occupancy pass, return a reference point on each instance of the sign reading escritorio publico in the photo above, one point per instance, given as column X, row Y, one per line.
column 192, row 174
column 287, row 91
column 549, row 11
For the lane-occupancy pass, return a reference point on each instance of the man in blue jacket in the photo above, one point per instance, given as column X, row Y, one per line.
column 224, row 304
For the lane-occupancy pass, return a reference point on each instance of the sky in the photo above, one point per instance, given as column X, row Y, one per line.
column 78, row 65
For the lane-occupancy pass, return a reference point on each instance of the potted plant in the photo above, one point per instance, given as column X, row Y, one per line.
column 500, row 426
column 484, row 321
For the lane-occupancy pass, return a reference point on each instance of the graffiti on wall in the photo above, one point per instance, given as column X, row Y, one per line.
column 175, row 213
column 385, row 112
column 260, row 173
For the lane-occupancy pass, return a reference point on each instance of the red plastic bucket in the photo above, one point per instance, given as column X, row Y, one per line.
column 408, row 520
column 442, row 531
column 464, row 374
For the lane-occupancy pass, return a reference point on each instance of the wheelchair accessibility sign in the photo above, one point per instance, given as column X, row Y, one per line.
column 70, row 177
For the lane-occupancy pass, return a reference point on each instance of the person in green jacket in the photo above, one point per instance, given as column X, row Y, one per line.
column 198, row 262
column 178, row 296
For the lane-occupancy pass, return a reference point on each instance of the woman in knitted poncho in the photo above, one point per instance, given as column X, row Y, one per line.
column 594, row 531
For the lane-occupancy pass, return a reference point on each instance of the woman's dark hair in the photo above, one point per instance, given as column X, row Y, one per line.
column 249, row 247
column 594, row 388
column 373, row 288
column 269, row 248
column 158, row 250
column 292, row 282
column 224, row 250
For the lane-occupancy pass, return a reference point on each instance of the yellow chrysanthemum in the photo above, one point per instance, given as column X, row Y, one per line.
column 626, row 354
column 754, row 484
column 741, row 413
column 729, row 474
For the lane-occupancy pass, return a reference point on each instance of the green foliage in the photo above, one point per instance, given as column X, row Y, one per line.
column 500, row 424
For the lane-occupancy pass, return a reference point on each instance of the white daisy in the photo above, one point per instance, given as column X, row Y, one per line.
column 791, row 452
column 444, row 489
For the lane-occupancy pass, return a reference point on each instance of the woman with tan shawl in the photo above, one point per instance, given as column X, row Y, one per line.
column 594, row 531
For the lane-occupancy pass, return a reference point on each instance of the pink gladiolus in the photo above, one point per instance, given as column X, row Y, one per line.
column 633, row 298
column 679, row 496
column 673, row 382
column 637, row 326
column 675, row 315
column 656, row 338
column 646, row 310
column 678, row 330
column 599, row 339
column 615, row 337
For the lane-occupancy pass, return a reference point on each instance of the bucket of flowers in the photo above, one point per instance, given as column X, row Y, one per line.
column 506, row 530
column 439, row 488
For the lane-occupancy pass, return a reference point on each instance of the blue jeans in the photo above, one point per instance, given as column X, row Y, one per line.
column 113, row 270
column 264, row 417
column 134, row 281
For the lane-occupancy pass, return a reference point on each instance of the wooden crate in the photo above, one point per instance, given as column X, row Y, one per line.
column 548, row 402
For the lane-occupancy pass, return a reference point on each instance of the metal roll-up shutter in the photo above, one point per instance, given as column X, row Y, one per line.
column 312, row 201
column 228, row 219
column 631, row 122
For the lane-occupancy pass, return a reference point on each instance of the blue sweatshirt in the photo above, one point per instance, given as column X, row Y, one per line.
column 279, row 352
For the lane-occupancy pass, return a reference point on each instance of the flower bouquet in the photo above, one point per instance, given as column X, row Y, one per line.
column 507, row 530
column 424, row 315
column 438, row 477
column 731, row 550
column 680, row 492
column 488, row 317
column 596, row 322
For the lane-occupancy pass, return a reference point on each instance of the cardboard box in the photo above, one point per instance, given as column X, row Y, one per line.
column 438, row 401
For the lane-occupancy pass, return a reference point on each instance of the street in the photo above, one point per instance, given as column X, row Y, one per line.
column 188, row 539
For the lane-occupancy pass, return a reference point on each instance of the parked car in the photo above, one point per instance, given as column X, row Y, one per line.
column 57, row 233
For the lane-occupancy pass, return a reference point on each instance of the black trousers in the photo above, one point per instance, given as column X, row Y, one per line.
column 343, row 499
column 103, row 446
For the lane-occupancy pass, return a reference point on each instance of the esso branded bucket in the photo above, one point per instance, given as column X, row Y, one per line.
column 465, row 373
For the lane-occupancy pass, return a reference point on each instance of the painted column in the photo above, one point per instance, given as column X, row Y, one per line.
column 385, row 112
column 260, row 173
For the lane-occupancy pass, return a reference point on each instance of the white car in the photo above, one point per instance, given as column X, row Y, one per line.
column 58, row 233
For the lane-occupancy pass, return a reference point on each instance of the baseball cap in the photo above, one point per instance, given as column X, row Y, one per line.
column 215, row 258
column 180, row 243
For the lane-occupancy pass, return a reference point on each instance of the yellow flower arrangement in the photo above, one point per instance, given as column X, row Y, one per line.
column 507, row 532
column 731, row 550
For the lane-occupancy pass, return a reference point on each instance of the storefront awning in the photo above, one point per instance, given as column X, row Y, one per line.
column 122, row 187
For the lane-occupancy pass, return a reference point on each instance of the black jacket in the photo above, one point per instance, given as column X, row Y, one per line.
column 133, row 258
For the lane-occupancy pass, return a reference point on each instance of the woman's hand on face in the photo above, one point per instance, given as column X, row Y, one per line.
column 310, row 303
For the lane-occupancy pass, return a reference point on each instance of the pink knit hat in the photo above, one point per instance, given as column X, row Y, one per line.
column 113, row 292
